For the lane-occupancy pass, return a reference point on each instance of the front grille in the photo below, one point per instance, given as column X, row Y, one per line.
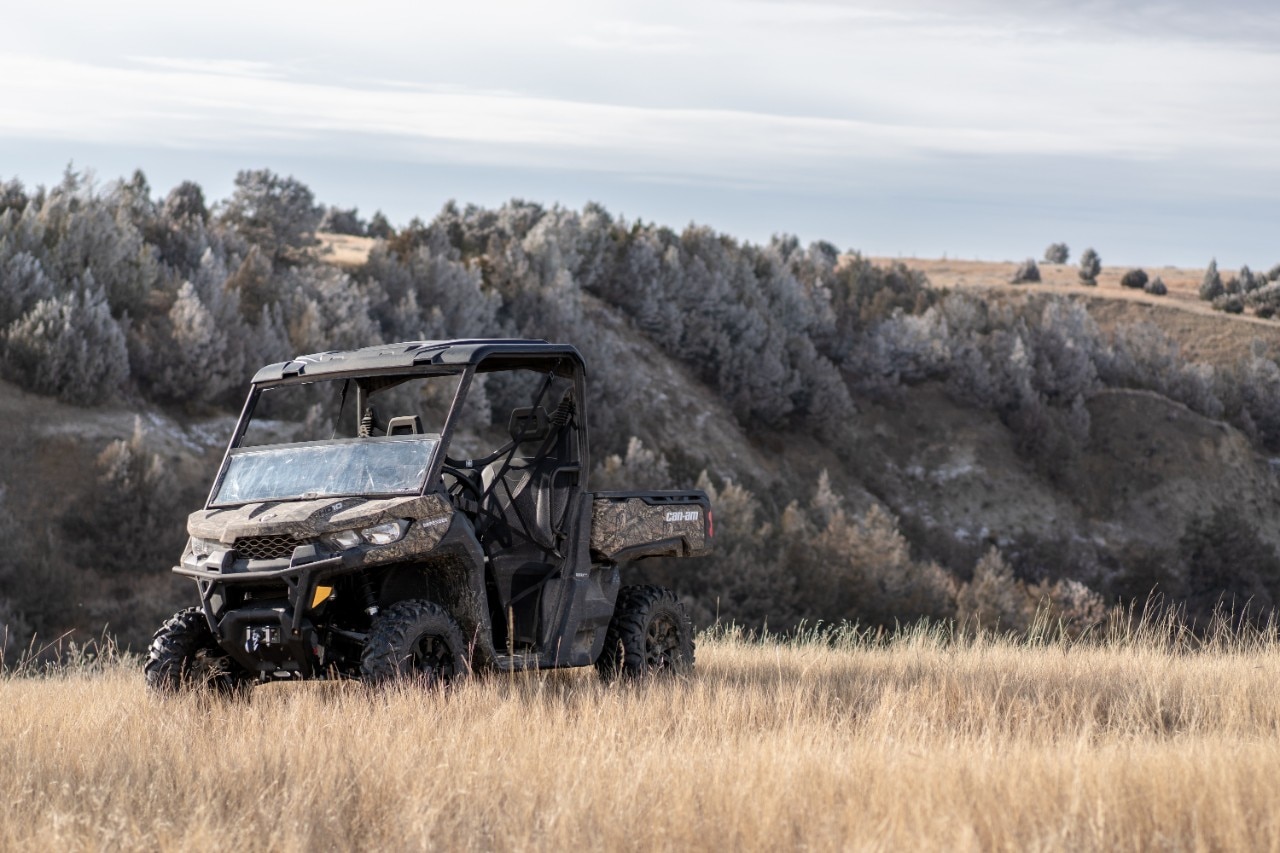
column 266, row 547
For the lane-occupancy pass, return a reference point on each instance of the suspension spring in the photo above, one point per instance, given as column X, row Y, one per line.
column 370, row 601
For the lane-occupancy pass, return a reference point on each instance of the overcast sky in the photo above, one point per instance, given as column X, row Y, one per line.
column 970, row 128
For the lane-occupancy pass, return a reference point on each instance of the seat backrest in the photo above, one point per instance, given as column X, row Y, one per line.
column 405, row 425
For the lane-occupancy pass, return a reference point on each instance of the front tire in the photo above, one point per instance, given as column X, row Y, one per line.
column 415, row 640
column 184, row 655
column 650, row 634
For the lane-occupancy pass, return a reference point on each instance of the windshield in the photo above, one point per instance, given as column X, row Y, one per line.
column 358, row 466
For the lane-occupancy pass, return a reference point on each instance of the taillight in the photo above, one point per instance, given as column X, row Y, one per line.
column 711, row 525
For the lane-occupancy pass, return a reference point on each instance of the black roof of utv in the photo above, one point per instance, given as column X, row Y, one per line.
column 407, row 355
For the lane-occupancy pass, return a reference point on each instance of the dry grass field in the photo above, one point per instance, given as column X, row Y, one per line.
column 923, row 742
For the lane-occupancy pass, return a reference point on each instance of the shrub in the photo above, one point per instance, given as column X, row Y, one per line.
column 1136, row 279
column 338, row 221
column 1028, row 271
column 136, row 498
column 862, row 571
column 1090, row 266
column 1228, row 563
column 1231, row 303
column 1273, row 274
column 994, row 600
column 1057, row 253
column 379, row 227
column 1249, row 281
column 1156, row 287
column 1067, row 605
column 1211, row 285
column 1264, row 300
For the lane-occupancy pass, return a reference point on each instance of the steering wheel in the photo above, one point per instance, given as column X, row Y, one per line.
column 461, row 483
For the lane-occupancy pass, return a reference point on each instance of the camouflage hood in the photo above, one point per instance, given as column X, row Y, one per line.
column 310, row 518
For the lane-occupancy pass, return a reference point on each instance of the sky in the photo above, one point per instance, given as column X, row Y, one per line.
column 930, row 128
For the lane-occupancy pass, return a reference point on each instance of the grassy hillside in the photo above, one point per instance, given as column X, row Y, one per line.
column 1135, row 742
column 1203, row 333
column 884, row 441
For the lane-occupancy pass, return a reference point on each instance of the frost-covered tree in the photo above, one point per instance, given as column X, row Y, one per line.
column 68, row 346
column 277, row 214
column 185, row 204
column 325, row 310
column 23, row 283
column 427, row 295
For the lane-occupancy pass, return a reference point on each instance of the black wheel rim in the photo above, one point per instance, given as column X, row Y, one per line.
column 662, row 643
column 431, row 660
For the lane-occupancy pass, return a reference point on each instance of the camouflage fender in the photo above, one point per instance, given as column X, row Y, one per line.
column 630, row 525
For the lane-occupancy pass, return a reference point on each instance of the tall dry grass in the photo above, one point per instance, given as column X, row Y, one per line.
column 1132, row 741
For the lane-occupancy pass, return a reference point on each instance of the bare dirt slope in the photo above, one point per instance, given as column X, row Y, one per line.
column 1151, row 465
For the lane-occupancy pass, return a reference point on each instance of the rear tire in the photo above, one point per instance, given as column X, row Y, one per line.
column 415, row 640
column 185, row 656
column 650, row 634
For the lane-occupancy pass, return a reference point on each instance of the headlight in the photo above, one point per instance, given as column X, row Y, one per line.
column 379, row 534
column 203, row 547
column 385, row 534
column 346, row 539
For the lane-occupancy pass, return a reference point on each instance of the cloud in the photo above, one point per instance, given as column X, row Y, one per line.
column 224, row 67
column 632, row 37
column 240, row 104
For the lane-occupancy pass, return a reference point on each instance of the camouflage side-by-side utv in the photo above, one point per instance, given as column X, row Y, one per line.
column 421, row 510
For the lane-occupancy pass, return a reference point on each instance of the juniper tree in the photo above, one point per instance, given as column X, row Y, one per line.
column 1211, row 285
column 1249, row 281
column 1136, row 279
column 1057, row 253
column 339, row 221
column 379, row 227
column 1090, row 266
column 1027, row 272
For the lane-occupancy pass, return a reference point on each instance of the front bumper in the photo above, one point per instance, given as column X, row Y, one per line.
column 288, row 638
